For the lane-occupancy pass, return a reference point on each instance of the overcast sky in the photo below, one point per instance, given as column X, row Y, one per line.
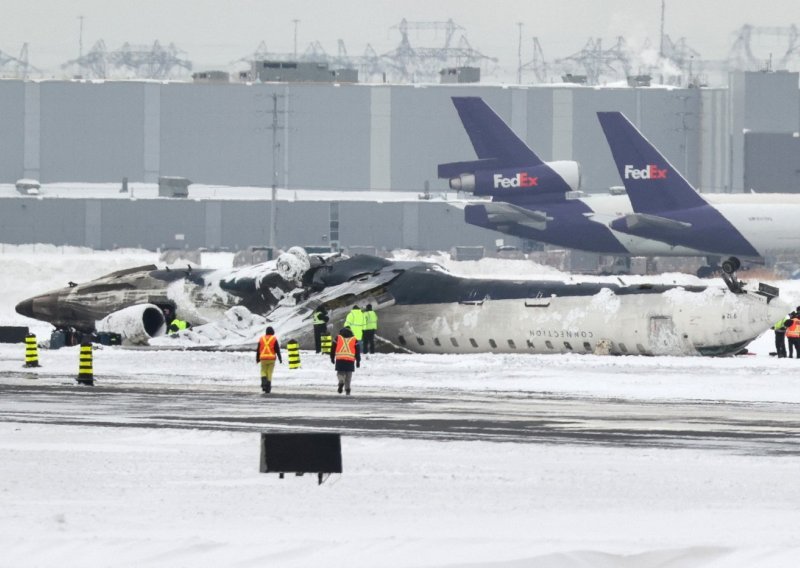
column 213, row 33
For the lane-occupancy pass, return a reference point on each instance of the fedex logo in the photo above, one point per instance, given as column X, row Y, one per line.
column 649, row 172
column 522, row 179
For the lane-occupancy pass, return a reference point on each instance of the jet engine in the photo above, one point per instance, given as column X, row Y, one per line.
column 291, row 265
column 549, row 178
column 136, row 324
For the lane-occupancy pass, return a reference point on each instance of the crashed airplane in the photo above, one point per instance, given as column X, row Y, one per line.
column 423, row 308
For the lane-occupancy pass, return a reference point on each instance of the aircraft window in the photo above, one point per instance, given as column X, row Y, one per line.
column 401, row 340
column 567, row 345
column 454, row 342
column 493, row 343
column 436, row 342
column 623, row 348
column 473, row 342
column 587, row 346
column 512, row 344
column 530, row 344
column 549, row 344
column 419, row 340
column 641, row 348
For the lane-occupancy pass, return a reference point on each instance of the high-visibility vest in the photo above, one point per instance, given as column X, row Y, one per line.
column 780, row 323
column 371, row 319
column 317, row 319
column 355, row 321
column 266, row 348
column 179, row 324
column 345, row 349
column 794, row 329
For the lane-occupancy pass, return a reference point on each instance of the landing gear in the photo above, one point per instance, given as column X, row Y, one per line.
column 731, row 265
column 728, row 266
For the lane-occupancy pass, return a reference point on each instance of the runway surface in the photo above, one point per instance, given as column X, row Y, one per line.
column 763, row 428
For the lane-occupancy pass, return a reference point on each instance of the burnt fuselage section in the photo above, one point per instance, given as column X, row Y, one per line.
column 80, row 306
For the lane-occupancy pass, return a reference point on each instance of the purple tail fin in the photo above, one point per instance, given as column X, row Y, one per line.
column 653, row 184
column 490, row 136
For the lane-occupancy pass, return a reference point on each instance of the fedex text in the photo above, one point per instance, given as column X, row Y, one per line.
column 522, row 179
column 648, row 172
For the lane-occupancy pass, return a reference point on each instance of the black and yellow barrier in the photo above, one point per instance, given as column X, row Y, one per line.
column 31, row 351
column 325, row 343
column 294, row 354
column 85, row 372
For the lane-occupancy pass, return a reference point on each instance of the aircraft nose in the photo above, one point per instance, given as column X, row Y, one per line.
column 25, row 308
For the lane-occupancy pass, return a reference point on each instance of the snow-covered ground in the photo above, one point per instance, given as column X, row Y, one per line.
column 82, row 485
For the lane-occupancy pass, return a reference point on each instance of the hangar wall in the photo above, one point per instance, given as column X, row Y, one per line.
column 331, row 136
column 772, row 162
column 351, row 136
column 348, row 136
column 191, row 224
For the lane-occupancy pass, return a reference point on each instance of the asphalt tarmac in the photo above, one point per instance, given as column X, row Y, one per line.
column 518, row 417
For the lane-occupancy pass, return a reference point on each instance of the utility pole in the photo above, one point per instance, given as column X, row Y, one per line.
column 661, row 37
column 295, row 38
column 273, row 212
column 80, row 45
column 684, row 129
column 80, row 37
column 519, row 55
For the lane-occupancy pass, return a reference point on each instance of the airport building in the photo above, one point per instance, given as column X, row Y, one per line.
column 340, row 136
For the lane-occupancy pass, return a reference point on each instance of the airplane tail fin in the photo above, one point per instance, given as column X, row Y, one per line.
column 506, row 167
column 653, row 184
column 494, row 142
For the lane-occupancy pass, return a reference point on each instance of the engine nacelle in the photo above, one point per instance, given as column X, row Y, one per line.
column 291, row 265
column 545, row 179
column 136, row 324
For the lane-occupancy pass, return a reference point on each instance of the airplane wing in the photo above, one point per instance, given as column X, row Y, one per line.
column 501, row 213
column 646, row 221
column 239, row 329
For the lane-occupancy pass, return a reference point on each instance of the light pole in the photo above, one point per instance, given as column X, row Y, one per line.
column 273, row 213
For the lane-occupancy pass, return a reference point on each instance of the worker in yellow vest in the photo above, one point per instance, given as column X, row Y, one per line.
column 356, row 321
column 268, row 351
column 320, row 321
column 780, row 336
column 177, row 325
column 346, row 356
column 370, row 329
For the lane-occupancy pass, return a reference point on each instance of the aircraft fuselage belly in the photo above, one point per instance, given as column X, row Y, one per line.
column 674, row 323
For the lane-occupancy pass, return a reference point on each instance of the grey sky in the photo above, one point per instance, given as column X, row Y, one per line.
column 213, row 33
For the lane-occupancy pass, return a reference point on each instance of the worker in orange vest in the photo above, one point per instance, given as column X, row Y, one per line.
column 346, row 356
column 268, row 350
column 793, row 334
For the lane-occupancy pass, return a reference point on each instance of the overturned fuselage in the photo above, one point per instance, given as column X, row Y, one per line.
column 424, row 308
